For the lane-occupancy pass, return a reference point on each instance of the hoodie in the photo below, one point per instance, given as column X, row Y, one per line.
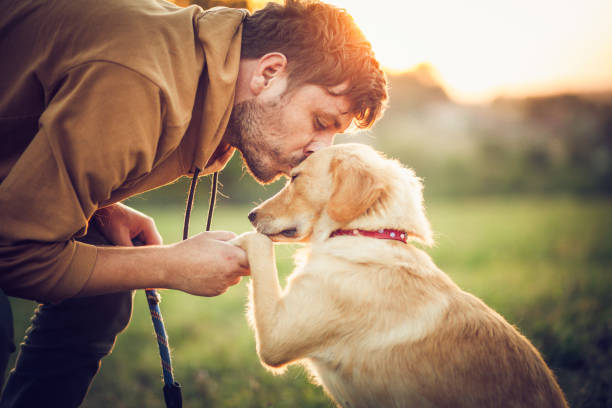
column 100, row 101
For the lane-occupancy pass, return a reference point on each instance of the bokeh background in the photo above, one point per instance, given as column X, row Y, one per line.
column 505, row 110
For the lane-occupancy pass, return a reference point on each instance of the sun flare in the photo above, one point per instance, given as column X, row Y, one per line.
column 482, row 48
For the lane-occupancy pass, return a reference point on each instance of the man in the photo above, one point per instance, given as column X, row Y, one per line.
column 100, row 101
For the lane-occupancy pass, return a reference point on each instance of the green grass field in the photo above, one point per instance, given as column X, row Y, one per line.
column 543, row 263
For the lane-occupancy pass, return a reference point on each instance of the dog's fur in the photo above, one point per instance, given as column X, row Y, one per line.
column 376, row 323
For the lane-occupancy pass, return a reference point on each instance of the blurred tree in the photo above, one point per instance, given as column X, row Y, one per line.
column 416, row 88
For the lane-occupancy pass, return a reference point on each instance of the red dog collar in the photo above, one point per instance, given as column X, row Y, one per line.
column 393, row 234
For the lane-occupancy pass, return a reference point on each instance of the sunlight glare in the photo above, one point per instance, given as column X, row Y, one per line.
column 485, row 48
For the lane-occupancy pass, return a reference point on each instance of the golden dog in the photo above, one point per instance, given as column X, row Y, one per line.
column 374, row 321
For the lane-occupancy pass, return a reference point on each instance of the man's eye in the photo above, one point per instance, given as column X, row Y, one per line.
column 319, row 125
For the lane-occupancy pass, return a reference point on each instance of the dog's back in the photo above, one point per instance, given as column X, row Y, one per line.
column 414, row 339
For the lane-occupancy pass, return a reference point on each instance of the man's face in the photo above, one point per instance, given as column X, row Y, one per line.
column 274, row 134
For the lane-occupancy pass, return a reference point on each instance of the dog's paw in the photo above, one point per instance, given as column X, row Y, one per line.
column 252, row 242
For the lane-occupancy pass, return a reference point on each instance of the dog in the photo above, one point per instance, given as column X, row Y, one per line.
column 368, row 314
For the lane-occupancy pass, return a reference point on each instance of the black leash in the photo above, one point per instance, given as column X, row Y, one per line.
column 172, row 389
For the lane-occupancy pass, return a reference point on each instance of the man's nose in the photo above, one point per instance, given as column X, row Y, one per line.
column 319, row 143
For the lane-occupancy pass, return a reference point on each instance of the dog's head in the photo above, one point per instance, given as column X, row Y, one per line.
column 344, row 187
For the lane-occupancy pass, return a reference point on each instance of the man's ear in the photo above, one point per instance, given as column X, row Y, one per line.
column 355, row 189
column 269, row 67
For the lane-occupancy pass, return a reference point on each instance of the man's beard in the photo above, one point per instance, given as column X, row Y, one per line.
column 261, row 154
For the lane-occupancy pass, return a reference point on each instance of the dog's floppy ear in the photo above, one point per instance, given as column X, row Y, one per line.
column 414, row 214
column 356, row 187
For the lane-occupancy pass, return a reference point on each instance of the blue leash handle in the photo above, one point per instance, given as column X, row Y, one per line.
column 153, row 299
column 172, row 389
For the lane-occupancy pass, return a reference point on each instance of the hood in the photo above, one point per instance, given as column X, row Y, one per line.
column 220, row 33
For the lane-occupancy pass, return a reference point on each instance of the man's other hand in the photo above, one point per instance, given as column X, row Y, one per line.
column 121, row 224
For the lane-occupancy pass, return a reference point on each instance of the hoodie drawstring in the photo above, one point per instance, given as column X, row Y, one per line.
column 211, row 203
column 192, row 188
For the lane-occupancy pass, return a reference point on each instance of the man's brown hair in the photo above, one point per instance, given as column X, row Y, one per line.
column 323, row 46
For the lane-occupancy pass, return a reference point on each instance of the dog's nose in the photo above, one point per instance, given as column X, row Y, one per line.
column 252, row 216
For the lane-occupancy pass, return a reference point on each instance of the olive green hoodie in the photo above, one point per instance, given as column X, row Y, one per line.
column 101, row 100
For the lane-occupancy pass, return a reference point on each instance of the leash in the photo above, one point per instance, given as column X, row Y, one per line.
column 172, row 389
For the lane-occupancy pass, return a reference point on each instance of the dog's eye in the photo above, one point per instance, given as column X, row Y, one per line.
column 294, row 177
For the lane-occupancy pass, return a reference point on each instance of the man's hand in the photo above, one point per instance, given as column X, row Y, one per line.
column 204, row 265
column 207, row 264
column 120, row 224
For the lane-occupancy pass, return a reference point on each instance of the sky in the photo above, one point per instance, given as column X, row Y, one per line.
column 482, row 49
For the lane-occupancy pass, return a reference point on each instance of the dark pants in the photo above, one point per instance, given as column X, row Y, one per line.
column 7, row 345
column 63, row 347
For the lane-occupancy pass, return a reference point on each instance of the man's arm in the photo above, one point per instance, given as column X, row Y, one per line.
column 101, row 128
column 204, row 265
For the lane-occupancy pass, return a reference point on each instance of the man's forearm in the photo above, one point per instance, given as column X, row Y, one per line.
column 203, row 265
column 125, row 268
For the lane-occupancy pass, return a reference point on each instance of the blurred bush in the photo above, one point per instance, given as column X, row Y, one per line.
column 553, row 144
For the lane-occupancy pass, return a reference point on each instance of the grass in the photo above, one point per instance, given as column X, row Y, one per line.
column 543, row 263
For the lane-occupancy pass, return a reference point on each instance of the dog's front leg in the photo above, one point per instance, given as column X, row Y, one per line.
column 265, row 295
column 292, row 323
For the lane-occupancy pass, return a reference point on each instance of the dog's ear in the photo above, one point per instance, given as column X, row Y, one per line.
column 414, row 214
column 356, row 187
